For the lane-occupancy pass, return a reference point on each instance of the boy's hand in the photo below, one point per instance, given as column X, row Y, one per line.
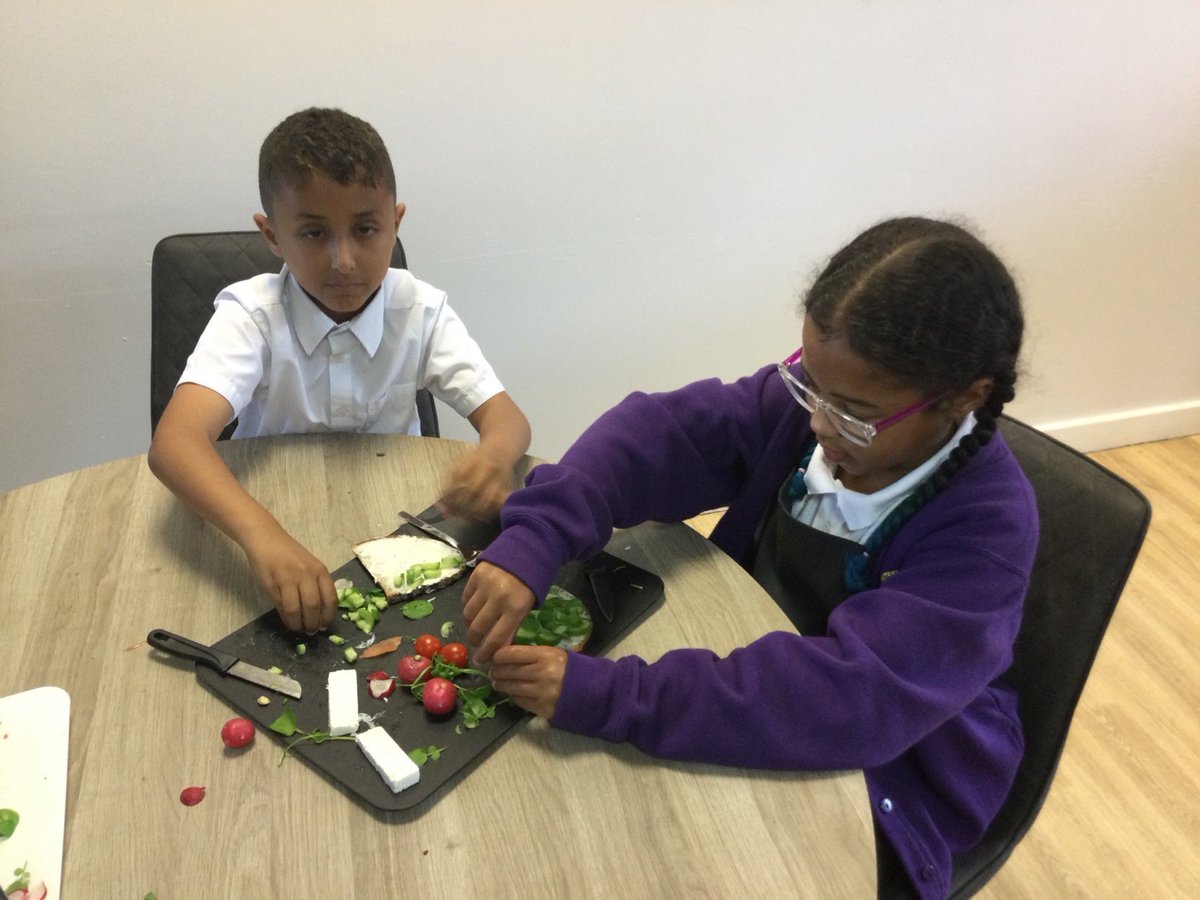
column 494, row 605
column 531, row 676
column 476, row 488
column 295, row 580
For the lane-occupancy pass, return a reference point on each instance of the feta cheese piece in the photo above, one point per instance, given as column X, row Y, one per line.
column 397, row 769
column 343, row 701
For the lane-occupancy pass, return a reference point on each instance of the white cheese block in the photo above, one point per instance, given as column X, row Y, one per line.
column 343, row 701
column 389, row 558
column 397, row 769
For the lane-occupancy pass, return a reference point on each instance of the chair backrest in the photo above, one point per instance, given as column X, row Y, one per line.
column 187, row 272
column 1092, row 527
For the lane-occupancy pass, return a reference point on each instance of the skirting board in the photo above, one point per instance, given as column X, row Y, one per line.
column 1139, row 426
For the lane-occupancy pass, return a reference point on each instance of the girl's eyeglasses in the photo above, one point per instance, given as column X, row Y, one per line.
column 855, row 430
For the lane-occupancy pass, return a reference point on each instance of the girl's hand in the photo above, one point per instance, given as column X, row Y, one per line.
column 531, row 676
column 298, row 584
column 494, row 605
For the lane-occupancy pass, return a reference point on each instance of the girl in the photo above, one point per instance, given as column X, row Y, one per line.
column 869, row 493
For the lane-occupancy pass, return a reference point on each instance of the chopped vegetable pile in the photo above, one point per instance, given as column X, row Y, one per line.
column 418, row 575
column 562, row 617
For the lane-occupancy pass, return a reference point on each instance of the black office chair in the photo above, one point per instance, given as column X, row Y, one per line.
column 1092, row 527
column 187, row 272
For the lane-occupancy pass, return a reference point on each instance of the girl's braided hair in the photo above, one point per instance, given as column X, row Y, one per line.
column 928, row 303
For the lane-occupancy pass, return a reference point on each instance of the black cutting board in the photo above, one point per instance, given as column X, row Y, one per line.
column 264, row 642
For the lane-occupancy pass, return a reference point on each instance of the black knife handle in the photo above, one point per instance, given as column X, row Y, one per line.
column 164, row 640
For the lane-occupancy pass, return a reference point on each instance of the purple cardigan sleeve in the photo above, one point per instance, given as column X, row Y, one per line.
column 661, row 457
column 897, row 663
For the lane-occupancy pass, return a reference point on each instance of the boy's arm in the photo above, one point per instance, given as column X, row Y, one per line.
column 183, row 456
column 478, row 483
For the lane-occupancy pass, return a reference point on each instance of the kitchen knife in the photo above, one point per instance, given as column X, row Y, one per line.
column 225, row 663
column 417, row 522
column 597, row 573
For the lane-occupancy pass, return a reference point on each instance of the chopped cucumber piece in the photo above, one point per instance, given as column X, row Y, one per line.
column 350, row 654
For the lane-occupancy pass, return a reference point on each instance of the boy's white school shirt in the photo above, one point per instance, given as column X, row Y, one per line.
column 285, row 367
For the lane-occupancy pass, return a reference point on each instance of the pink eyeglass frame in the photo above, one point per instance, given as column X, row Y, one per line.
column 870, row 429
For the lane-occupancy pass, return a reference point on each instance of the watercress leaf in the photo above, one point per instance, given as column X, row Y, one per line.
column 418, row 755
column 417, row 609
column 286, row 723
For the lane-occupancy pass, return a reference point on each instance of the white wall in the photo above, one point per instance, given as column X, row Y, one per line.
column 616, row 195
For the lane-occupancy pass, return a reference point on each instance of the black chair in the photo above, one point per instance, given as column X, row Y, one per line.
column 187, row 272
column 1092, row 527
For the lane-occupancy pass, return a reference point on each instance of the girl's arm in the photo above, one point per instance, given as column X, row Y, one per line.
column 183, row 456
column 661, row 456
column 894, row 668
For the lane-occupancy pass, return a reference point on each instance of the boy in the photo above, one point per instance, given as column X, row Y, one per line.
column 337, row 341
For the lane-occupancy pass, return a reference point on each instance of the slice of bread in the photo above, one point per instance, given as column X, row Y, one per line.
column 405, row 565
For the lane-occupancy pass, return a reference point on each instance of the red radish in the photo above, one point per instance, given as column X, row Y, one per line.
column 237, row 732
column 190, row 796
column 380, row 685
column 410, row 668
column 439, row 695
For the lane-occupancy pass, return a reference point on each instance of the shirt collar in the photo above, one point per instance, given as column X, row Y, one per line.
column 313, row 326
column 861, row 510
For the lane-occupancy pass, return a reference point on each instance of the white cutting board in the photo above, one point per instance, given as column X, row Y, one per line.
column 34, row 730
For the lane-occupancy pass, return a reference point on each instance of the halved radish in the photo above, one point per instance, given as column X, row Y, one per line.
column 380, row 685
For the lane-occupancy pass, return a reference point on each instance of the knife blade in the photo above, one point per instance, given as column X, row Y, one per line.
column 417, row 522
column 597, row 573
column 225, row 663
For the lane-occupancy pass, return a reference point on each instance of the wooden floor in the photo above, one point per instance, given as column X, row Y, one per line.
column 1123, row 816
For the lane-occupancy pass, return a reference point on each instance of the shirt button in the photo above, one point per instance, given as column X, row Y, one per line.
column 927, row 873
column 886, row 805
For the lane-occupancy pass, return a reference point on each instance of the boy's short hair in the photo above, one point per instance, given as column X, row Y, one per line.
column 330, row 141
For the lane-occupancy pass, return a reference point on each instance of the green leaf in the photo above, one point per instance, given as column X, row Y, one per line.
column 421, row 755
column 417, row 609
column 22, row 882
column 286, row 723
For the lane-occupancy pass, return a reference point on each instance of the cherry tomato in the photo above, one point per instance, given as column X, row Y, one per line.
column 190, row 796
column 410, row 668
column 237, row 732
column 428, row 645
column 455, row 654
column 439, row 696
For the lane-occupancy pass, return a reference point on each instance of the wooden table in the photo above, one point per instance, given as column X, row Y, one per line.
column 92, row 560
